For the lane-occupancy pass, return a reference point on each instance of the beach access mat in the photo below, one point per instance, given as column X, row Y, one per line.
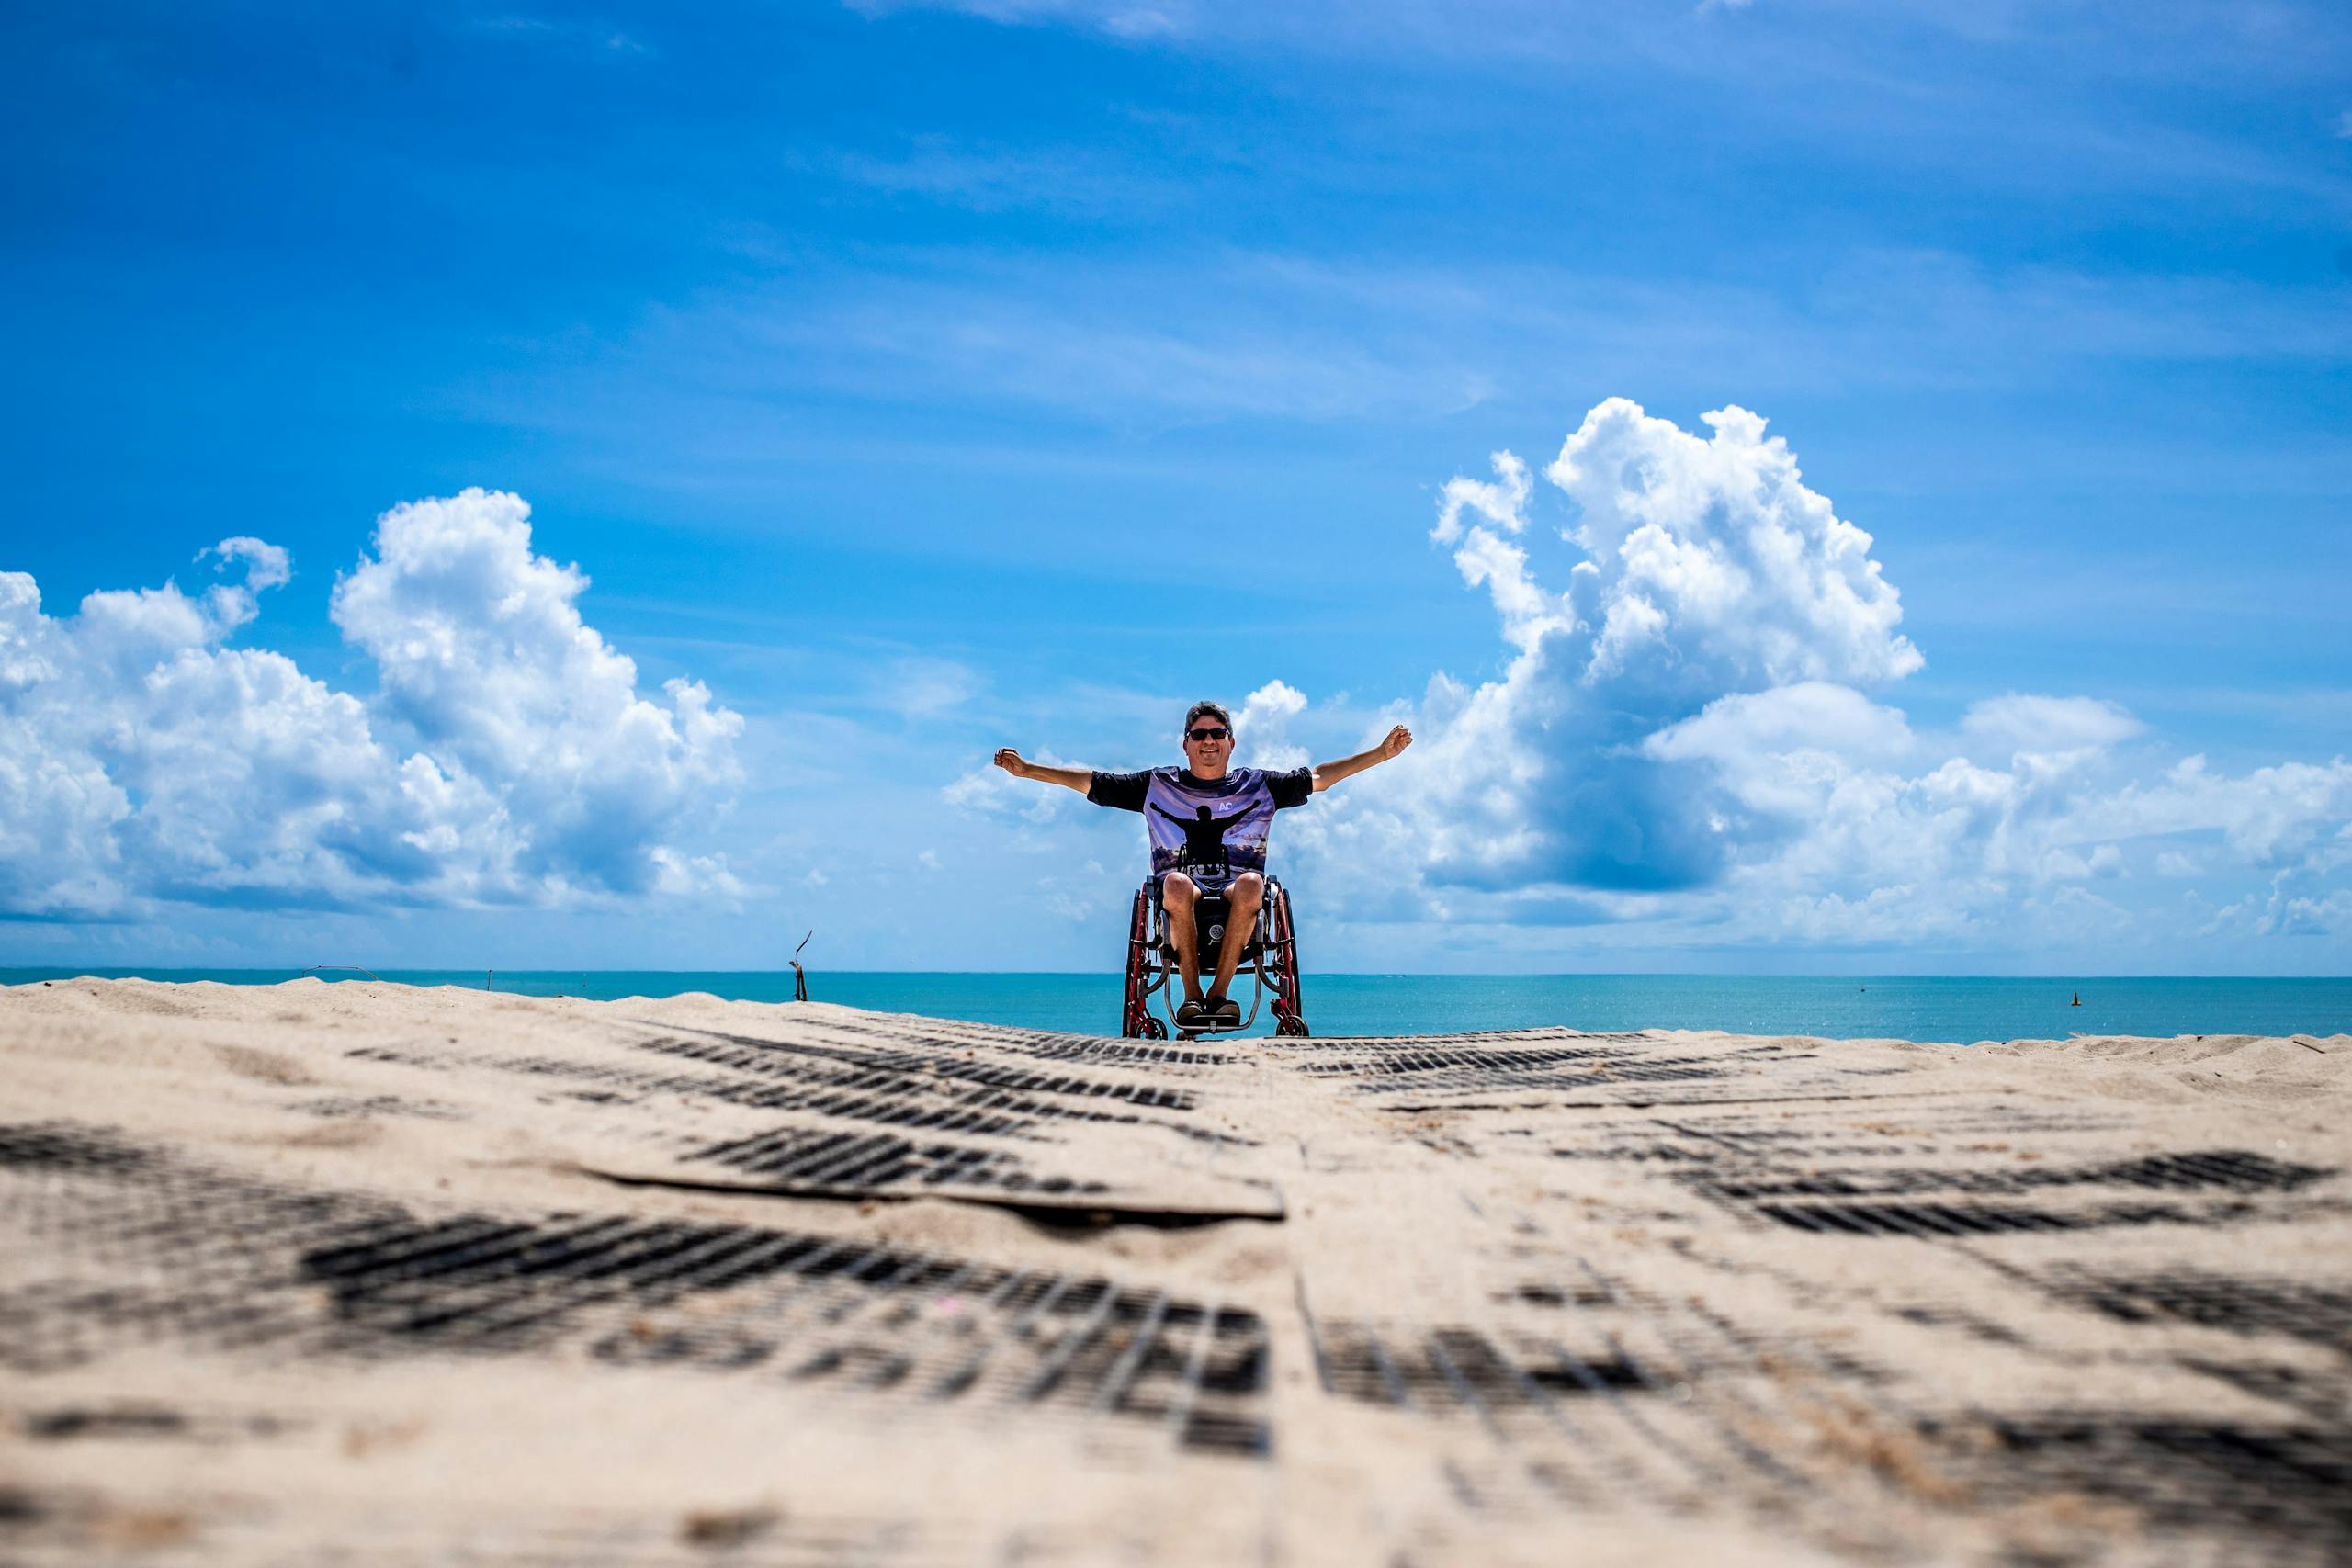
column 358, row 1273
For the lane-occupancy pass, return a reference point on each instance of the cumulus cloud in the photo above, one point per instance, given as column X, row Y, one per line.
column 1689, row 725
column 1262, row 726
column 505, row 755
column 1702, row 567
column 2293, row 814
column 1502, row 503
column 267, row 565
column 1715, row 557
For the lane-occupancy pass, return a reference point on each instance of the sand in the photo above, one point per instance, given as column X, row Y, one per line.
column 360, row 1272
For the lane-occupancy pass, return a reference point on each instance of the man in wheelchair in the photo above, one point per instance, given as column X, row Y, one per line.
column 1208, row 822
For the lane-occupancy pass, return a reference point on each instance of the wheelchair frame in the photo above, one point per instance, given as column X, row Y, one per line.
column 1270, row 960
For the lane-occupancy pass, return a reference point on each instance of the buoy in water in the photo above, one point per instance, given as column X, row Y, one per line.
column 2078, row 999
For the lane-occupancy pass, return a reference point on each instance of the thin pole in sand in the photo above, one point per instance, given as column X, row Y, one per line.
column 800, row 975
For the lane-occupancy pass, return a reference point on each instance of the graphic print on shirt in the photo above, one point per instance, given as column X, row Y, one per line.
column 1203, row 836
column 1213, row 833
column 1210, row 839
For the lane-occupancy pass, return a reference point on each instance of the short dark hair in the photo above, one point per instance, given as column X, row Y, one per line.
column 1197, row 709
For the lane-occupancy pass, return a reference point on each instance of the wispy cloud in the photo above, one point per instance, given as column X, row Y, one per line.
column 1077, row 181
column 582, row 36
column 1909, row 79
column 1805, row 44
column 1123, row 347
column 923, row 687
column 1175, row 342
column 1130, row 19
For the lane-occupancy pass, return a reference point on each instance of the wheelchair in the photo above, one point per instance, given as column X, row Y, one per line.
column 1270, row 960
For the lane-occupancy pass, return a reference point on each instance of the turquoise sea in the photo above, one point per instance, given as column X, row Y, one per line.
column 1843, row 1006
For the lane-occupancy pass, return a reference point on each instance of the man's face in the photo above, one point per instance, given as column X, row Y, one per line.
column 1208, row 747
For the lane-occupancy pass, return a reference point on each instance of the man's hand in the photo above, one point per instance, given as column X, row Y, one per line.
column 1398, row 739
column 1021, row 767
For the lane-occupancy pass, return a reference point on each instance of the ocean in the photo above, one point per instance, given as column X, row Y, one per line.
column 1962, row 1009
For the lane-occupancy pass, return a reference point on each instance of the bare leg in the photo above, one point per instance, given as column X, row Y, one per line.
column 1178, row 894
column 1249, row 891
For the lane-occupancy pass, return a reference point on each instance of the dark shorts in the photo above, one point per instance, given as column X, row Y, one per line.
column 1207, row 879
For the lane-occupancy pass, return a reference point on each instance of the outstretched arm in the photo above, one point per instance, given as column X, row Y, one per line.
column 1020, row 767
column 1328, row 773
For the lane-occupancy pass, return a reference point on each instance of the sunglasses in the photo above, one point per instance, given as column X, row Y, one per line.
column 1207, row 732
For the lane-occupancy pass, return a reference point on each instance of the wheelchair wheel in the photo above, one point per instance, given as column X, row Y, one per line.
column 1136, row 1020
column 1281, row 956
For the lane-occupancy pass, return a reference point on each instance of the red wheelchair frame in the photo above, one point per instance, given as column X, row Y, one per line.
column 1270, row 960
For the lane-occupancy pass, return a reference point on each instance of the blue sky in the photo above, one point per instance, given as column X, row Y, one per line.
column 918, row 378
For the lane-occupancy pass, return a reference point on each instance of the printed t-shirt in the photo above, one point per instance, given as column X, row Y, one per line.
column 1211, row 830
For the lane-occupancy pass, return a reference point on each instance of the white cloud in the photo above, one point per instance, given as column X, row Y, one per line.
column 589, row 36
column 681, row 875
column 1684, row 737
column 992, row 178
column 1119, row 18
column 267, row 565
column 1077, row 894
column 1808, row 715
column 2063, row 865
column 481, row 654
column 2048, row 725
column 2284, row 912
column 505, row 757
column 2290, row 814
column 1262, row 726
column 1745, row 574
column 1704, row 568
column 923, row 687
column 1503, row 503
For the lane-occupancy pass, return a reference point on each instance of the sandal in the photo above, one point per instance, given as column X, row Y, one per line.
column 1191, row 1014
column 1225, row 1011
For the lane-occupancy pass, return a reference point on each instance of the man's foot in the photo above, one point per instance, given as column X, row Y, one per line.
column 1225, row 1011
column 1191, row 1013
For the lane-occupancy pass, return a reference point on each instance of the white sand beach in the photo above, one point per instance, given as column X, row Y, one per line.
column 357, row 1272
